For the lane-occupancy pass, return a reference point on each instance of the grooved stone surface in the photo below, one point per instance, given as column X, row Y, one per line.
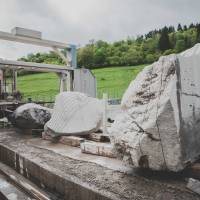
column 75, row 113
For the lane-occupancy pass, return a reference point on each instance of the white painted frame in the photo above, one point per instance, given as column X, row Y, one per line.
column 70, row 60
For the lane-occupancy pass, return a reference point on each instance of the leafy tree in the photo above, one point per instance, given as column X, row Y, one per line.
column 169, row 51
column 114, row 61
column 100, row 56
column 86, row 56
column 179, row 28
column 172, row 39
column 171, row 29
column 144, row 49
column 185, row 28
column 198, row 33
column 164, row 42
column 150, row 58
column 180, row 46
column 133, row 57
column 191, row 25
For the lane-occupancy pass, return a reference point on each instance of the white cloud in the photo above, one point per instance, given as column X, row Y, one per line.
column 78, row 21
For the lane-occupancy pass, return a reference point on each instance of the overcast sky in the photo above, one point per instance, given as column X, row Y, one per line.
column 78, row 21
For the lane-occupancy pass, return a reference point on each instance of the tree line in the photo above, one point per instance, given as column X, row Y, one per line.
column 143, row 49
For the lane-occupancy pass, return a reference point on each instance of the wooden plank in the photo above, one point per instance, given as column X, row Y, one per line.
column 96, row 148
column 194, row 170
column 98, row 137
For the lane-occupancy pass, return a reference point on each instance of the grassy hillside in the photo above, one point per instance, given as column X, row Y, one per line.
column 113, row 81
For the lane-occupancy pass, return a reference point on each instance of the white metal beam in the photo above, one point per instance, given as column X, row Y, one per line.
column 34, row 66
column 34, row 41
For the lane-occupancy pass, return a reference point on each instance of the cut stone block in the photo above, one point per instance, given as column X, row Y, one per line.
column 66, row 140
column 71, row 140
column 194, row 185
column 75, row 114
column 160, row 124
column 96, row 148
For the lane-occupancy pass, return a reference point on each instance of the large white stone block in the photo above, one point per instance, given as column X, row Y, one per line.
column 160, row 124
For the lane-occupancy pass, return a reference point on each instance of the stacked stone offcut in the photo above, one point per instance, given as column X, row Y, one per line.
column 160, row 124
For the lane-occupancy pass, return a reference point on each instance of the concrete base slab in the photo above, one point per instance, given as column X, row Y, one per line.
column 76, row 153
column 82, row 180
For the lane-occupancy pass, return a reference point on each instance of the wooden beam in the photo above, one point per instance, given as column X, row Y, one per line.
column 98, row 137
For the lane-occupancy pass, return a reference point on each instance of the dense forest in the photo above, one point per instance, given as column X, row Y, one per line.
column 133, row 51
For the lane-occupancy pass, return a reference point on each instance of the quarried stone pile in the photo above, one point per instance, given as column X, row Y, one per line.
column 160, row 124
column 75, row 113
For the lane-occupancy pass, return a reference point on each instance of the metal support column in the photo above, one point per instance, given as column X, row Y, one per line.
column 14, row 81
column 4, row 82
column 73, row 56
column 63, row 82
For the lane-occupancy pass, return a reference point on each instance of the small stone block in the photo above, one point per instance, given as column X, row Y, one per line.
column 71, row 140
column 100, row 149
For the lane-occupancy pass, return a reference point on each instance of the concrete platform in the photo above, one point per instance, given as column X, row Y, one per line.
column 76, row 179
column 76, row 153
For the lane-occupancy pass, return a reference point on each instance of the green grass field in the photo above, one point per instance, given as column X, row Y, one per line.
column 113, row 80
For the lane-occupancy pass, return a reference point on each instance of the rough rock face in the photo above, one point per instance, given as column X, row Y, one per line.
column 160, row 124
column 30, row 116
column 75, row 113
